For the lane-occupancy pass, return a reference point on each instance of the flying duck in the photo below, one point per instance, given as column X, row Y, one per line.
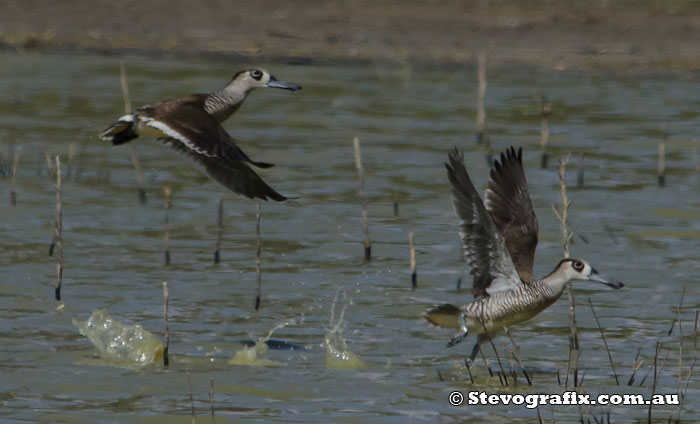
column 192, row 125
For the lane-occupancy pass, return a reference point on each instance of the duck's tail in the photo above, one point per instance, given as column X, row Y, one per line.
column 122, row 131
column 444, row 316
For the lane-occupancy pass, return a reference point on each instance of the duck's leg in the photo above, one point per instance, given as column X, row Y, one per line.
column 475, row 350
column 465, row 332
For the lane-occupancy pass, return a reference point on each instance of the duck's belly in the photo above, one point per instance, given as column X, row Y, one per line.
column 503, row 310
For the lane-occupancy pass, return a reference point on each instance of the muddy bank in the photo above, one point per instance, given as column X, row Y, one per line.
column 627, row 36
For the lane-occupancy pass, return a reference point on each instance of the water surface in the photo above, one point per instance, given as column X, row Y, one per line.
column 407, row 120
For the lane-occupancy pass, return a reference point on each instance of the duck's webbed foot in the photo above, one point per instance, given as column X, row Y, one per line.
column 463, row 335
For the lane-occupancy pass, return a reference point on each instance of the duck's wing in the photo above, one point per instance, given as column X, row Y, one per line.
column 235, row 175
column 508, row 202
column 186, row 121
column 190, row 130
column 484, row 246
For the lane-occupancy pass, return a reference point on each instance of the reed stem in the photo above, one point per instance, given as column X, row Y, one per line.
column 562, row 215
column 58, row 231
column 500, row 364
column 545, row 110
column 602, row 335
column 219, row 229
column 189, row 384
column 516, row 354
column 134, row 156
column 13, row 176
column 72, row 149
column 125, row 87
column 166, row 332
column 481, row 93
column 49, row 169
column 139, row 174
column 166, row 222
column 695, row 156
column 363, row 200
column 414, row 277
column 685, row 388
column 4, row 168
column 695, row 331
column 656, row 379
column 211, row 400
column 678, row 317
column 504, row 381
column 581, row 170
column 635, row 367
column 661, row 168
column 258, row 268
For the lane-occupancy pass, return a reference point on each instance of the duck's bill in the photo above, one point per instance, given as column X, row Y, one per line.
column 595, row 276
column 275, row 83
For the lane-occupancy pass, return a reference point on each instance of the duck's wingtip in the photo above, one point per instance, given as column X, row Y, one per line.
column 262, row 165
column 455, row 156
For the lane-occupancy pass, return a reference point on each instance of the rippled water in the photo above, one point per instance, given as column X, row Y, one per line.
column 406, row 119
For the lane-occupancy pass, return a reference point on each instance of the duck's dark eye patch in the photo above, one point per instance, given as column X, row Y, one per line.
column 578, row 266
column 256, row 73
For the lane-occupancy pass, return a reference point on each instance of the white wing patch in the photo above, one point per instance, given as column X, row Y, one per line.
column 165, row 129
column 487, row 202
column 125, row 123
column 504, row 281
column 505, row 275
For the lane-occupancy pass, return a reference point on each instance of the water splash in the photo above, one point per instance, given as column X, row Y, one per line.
column 253, row 355
column 338, row 356
column 120, row 343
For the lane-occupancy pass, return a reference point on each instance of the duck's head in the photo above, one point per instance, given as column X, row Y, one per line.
column 259, row 78
column 579, row 269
